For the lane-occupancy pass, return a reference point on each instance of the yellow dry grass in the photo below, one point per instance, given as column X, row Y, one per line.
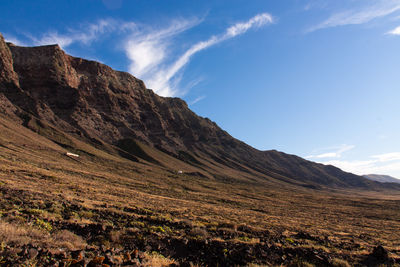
column 18, row 235
column 99, row 180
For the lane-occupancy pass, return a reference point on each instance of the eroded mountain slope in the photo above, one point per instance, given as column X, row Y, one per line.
column 105, row 107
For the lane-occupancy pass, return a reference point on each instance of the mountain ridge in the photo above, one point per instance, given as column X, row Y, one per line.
column 382, row 178
column 99, row 105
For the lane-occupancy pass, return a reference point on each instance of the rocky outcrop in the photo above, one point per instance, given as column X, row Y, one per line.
column 95, row 102
column 9, row 81
column 8, row 78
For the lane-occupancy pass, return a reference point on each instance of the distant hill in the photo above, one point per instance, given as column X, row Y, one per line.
column 54, row 94
column 382, row 178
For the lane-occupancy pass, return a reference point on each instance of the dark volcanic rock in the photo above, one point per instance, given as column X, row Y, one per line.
column 378, row 257
column 380, row 253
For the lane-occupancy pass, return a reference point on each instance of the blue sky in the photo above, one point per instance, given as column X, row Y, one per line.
column 320, row 78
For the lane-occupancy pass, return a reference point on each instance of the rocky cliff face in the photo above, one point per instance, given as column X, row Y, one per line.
column 105, row 104
column 8, row 77
column 94, row 102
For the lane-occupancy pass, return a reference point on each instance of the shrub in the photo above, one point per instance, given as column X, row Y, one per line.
column 290, row 240
column 199, row 232
column 301, row 263
column 339, row 263
column 67, row 239
column 11, row 233
column 43, row 225
column 36, row 212
column 244, row 238
column 86, row 214
column 158, row 229
column 155, row 259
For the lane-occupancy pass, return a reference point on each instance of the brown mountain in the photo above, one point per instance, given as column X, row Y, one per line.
column 63, row 97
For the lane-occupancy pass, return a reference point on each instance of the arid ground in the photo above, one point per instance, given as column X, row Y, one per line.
column 100, row 208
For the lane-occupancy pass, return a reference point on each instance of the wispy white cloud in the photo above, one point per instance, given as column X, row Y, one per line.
column 395, row 31
column 55, row 38
column 337, row 153
column 198, row 99
column 149, row 50
column 184, row 89
column 361, row 15
column 359, row 167
column 373, row 165
column 85, row 34
column 388, row 163
column 395, row 18
column 14, row 40
column 160, row 76
column 324, row 155
column 315, row 4
column 387, row 157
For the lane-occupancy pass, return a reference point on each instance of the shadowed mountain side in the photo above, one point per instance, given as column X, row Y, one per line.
column 114, row 111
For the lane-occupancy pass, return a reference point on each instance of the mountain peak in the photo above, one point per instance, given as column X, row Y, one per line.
column 99, row 105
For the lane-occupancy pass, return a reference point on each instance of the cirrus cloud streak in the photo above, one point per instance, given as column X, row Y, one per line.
column 360, row 15
column 388, row 163
column 148, row 52
column 86, row 34
column 339, row 150
column 395, row 31
column 151, row 51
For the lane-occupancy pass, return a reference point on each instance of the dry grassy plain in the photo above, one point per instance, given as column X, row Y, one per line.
column 99, row 200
